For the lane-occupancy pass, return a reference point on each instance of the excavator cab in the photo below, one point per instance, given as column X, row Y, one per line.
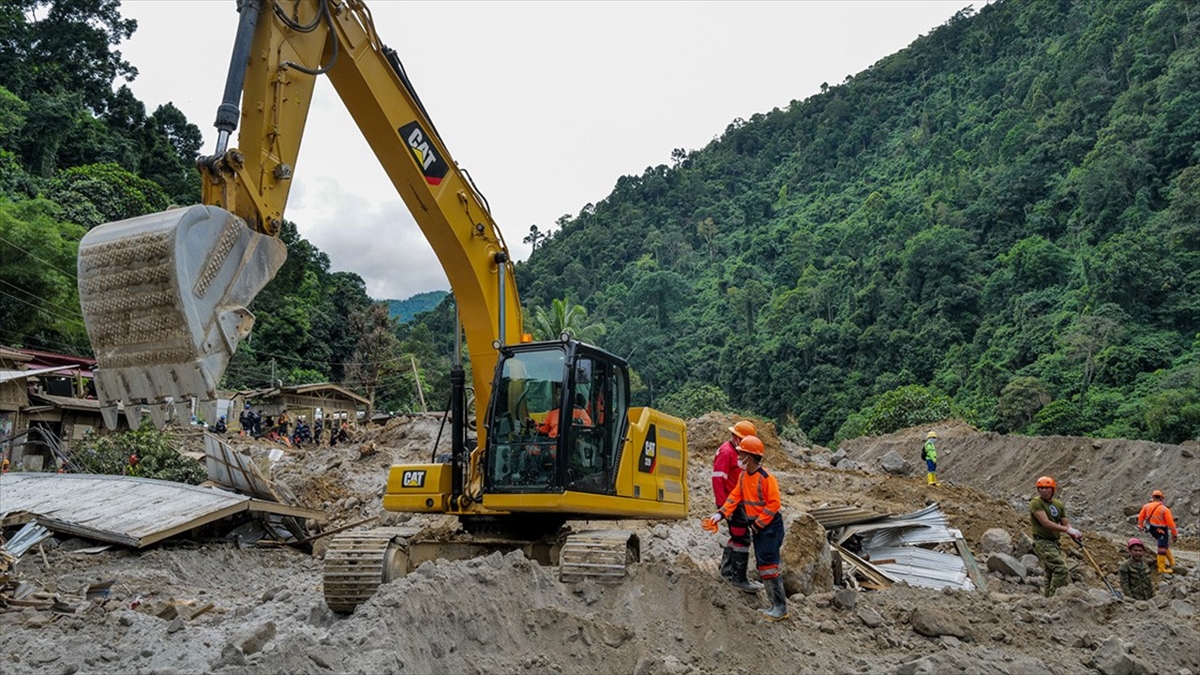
column 556, row 419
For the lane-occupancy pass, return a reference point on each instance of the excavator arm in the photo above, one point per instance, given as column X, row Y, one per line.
column 164, row 296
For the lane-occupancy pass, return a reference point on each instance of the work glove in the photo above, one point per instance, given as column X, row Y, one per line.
column 1074, row 533
column 714, row 519
column 709, row 524
column 752, row 529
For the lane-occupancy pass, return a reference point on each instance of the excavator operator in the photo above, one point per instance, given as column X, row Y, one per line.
column 579, row 415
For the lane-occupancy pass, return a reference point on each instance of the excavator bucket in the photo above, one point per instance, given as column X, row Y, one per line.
column 164, row 300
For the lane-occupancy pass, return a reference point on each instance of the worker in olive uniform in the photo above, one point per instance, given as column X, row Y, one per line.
column 755, row 502
column 1156, row 519
column 1135, row 573
column 929, row 454
column 1049, row 518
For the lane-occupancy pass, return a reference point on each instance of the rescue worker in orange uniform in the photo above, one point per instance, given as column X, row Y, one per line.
column 1156, row 519
column 755, row 501
column 549, row 425
column 725, row 475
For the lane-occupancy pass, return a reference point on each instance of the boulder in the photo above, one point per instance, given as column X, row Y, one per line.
column 936, row 622
column 894, row 464
column 1006, row 565
column 806, row 561
column 996, row 540
column 1112, row 658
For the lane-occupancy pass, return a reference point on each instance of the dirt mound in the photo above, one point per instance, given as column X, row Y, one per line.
column 1103, row 481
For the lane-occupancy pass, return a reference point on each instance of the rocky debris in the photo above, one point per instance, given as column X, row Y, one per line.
column 1114, row 657
column 894, row 464
column 504, row 613
column 996, row 540
column 1006, row 565
column 936, row 622
column 806, row 560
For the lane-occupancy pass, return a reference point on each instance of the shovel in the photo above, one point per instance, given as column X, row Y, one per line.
column 1087, row 554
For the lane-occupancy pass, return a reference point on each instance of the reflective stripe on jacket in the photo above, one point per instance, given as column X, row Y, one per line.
column 758, row 492
column 725, row 472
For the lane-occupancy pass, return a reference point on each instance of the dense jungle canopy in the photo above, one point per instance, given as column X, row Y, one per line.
column 1000, row 222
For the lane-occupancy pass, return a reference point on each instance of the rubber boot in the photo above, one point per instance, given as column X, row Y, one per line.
column 775, row 593
column 933, row 479
column 1162, row 565
column 727, row 564
column 741, row 559
column 1170, row 561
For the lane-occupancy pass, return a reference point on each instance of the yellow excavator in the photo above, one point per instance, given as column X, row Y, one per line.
column 165, row 297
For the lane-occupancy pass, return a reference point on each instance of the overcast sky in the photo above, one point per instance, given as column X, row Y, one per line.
column 546, row 104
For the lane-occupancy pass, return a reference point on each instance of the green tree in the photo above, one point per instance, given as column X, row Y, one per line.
column 377, row 356
column 39, row 301
column 101, row 193
column 904, row 407
column 565, row 316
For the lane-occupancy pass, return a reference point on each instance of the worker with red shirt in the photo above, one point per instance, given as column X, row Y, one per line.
column 1156, row 519
column 725, row 474
column 755, row 500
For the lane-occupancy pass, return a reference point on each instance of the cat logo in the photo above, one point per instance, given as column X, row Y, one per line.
column 413, row 479
column 649, row 457
column 432, row 166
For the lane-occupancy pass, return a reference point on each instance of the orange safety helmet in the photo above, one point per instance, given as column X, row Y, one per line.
column 1157, row 493
column 1047, row 481
column 1134, row 542
column 751, row 445
column 743, row 429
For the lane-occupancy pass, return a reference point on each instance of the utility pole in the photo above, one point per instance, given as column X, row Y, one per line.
column 417, row 377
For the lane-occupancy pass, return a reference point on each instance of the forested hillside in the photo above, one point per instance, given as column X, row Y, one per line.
column 1001, row 221
column 405, row 310
column 78, row 150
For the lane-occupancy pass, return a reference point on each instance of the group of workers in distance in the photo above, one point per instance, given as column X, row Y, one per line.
column 1049, row 519
column 747, row 499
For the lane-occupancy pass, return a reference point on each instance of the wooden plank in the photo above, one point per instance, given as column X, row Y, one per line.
column 973, row 570
column 285, row 510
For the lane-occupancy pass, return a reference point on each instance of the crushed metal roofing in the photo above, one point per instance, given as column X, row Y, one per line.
column 838, row 516
column 895, row 546
column 10, row 375
column 918, row 566
column 123, row 509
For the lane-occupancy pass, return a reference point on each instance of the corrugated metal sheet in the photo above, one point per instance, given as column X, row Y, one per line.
column 918, row 566
column 927, row 526
column 123, row 509
column 837, row 516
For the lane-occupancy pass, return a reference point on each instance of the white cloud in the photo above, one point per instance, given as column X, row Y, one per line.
column 546, row 104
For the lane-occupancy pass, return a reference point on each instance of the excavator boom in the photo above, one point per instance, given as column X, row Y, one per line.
column 165, row 296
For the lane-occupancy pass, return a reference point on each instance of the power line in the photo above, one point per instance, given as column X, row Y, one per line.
column 66, row 313
column 40, row 308
column 39, row 259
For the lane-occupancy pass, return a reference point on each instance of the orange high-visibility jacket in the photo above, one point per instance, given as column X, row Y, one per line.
column 549, row 425
column 1156, row 513
column 758, row 492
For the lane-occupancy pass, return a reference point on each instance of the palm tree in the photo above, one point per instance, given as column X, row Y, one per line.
column 565, row 316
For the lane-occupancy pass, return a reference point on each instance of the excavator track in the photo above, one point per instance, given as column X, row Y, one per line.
column 601, row 555
column 358, row 562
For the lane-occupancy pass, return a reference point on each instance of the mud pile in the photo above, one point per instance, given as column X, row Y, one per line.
column 503, row 613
